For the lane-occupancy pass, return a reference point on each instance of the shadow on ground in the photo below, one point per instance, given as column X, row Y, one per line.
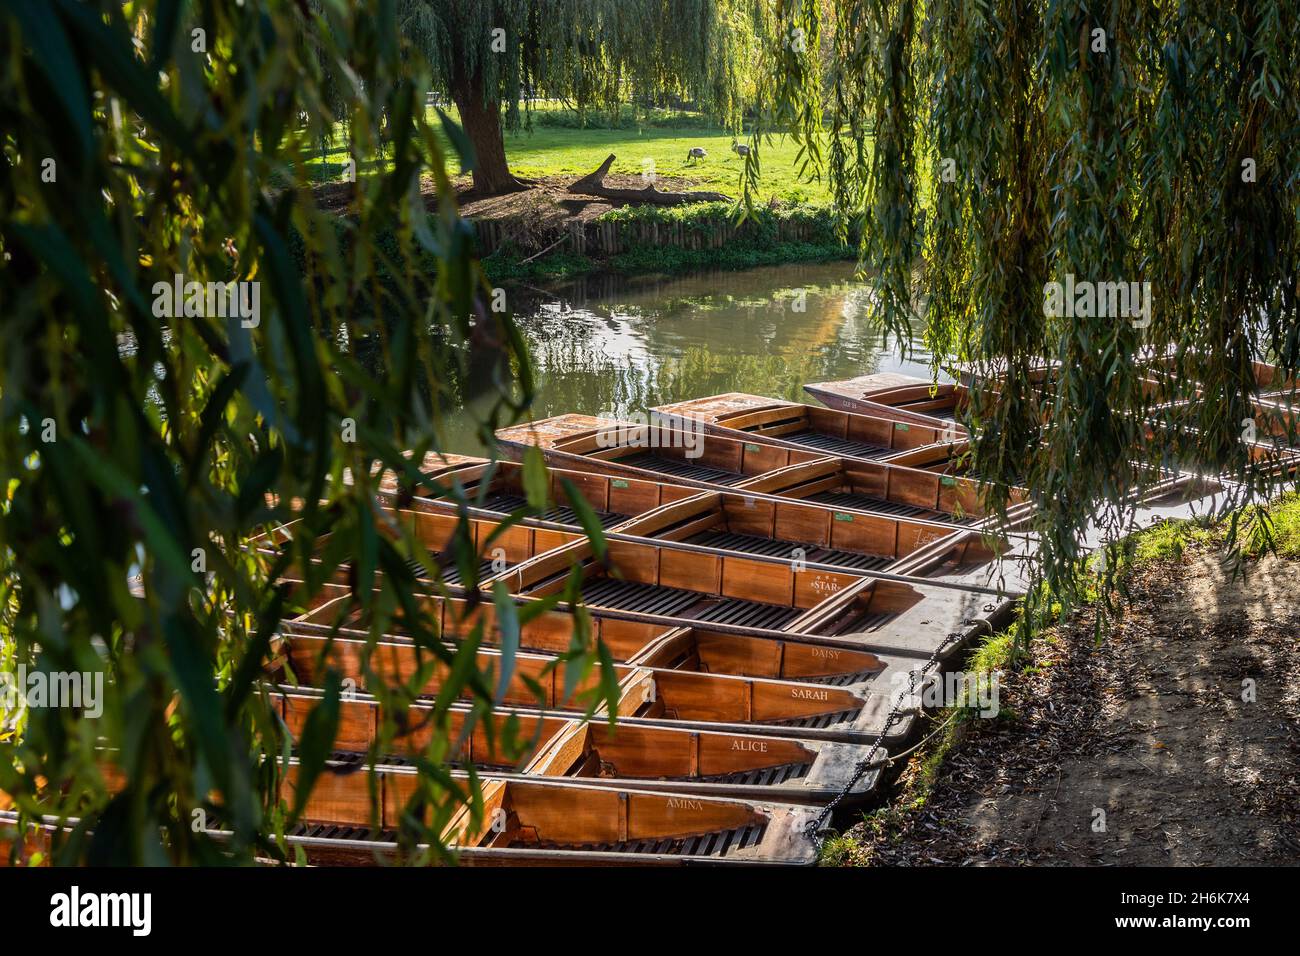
column 1173, row 741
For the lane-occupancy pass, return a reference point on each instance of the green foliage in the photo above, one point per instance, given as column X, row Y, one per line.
column 587, row 52
column 756, row 244
column 628, row 120
column 1275, row 528
column 1114, row 143
column 1167, row 540
column 997, row 652
column 143, row 449
column 762, row 224
column 741, row 254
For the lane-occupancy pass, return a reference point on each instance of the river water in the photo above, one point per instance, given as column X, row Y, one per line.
column 615, row 345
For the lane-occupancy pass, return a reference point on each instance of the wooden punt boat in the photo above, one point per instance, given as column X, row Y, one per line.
column 812, row 531
column 653, row 640
column 541, row 821
column 682, row 696
column 806, row 427
column 1269, row 380
column 793, row 553
column 659, row 449
column 1275, row 410
column 647, row 452
column 903, row 397
column 496, row 487
column 785, row 556
column 802, row 534
column 935, row 403
column 1272, row 384
column 662, row 758
column 557, row 821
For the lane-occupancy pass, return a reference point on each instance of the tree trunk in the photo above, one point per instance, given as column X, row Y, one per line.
column 482, row 124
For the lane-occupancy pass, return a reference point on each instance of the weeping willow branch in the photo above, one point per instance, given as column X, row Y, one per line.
column 1141, row 156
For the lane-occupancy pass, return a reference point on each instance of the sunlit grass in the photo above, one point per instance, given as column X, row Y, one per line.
column 553, row 150
column 1168, row 540
column 1281, row 522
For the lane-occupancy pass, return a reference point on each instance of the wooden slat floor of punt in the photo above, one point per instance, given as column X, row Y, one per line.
column 719, row 843
column 837, row 446
column 870, row 622
column 682, row 468
column 340, row 831
column 753, row 544
column 450, row 573
column 768, row 776
column 562, row 514
column 764, row 776
column 819, row 722
column 679, row 602
column 848, row 499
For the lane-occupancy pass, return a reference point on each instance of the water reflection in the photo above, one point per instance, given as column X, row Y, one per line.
column 610, row 344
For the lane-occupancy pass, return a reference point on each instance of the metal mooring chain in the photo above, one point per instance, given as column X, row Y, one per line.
column 817, row 828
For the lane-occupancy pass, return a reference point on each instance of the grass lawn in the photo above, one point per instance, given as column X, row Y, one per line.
column 548, row 150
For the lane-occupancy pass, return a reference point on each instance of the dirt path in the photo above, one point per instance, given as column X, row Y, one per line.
column 1149, row 727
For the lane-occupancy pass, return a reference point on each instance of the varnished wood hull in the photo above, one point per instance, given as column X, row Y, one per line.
column 898, row 396
column 808, row 428
column 891, row 486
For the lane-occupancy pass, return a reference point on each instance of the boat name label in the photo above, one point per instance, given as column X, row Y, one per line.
column 754, row 746
column 809, row 693
column 750, row 446
column 619, row 483
column 841, row 516
column 901, row 427
column 824, row 584
column 827, row 652
column 677, row 803
column 948, row 482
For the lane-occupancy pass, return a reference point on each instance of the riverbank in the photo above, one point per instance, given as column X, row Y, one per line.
column 548, row 234
column 1175, row 740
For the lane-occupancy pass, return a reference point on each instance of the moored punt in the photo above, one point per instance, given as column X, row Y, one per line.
column 683, row 696
column 756, row 542
column 811, row 428
column 556, row 821
column 809, row 531
column 798, row 533
column 628, row 452
column 542, row 821
column 496, row 487
column 657, row 450
column 653, row 640
column 902, row 397
column 1274, row 408
column 1270, row 381
column 653, row 757
column 939, row 405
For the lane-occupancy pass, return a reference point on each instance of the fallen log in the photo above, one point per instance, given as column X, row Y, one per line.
column 594, row 185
